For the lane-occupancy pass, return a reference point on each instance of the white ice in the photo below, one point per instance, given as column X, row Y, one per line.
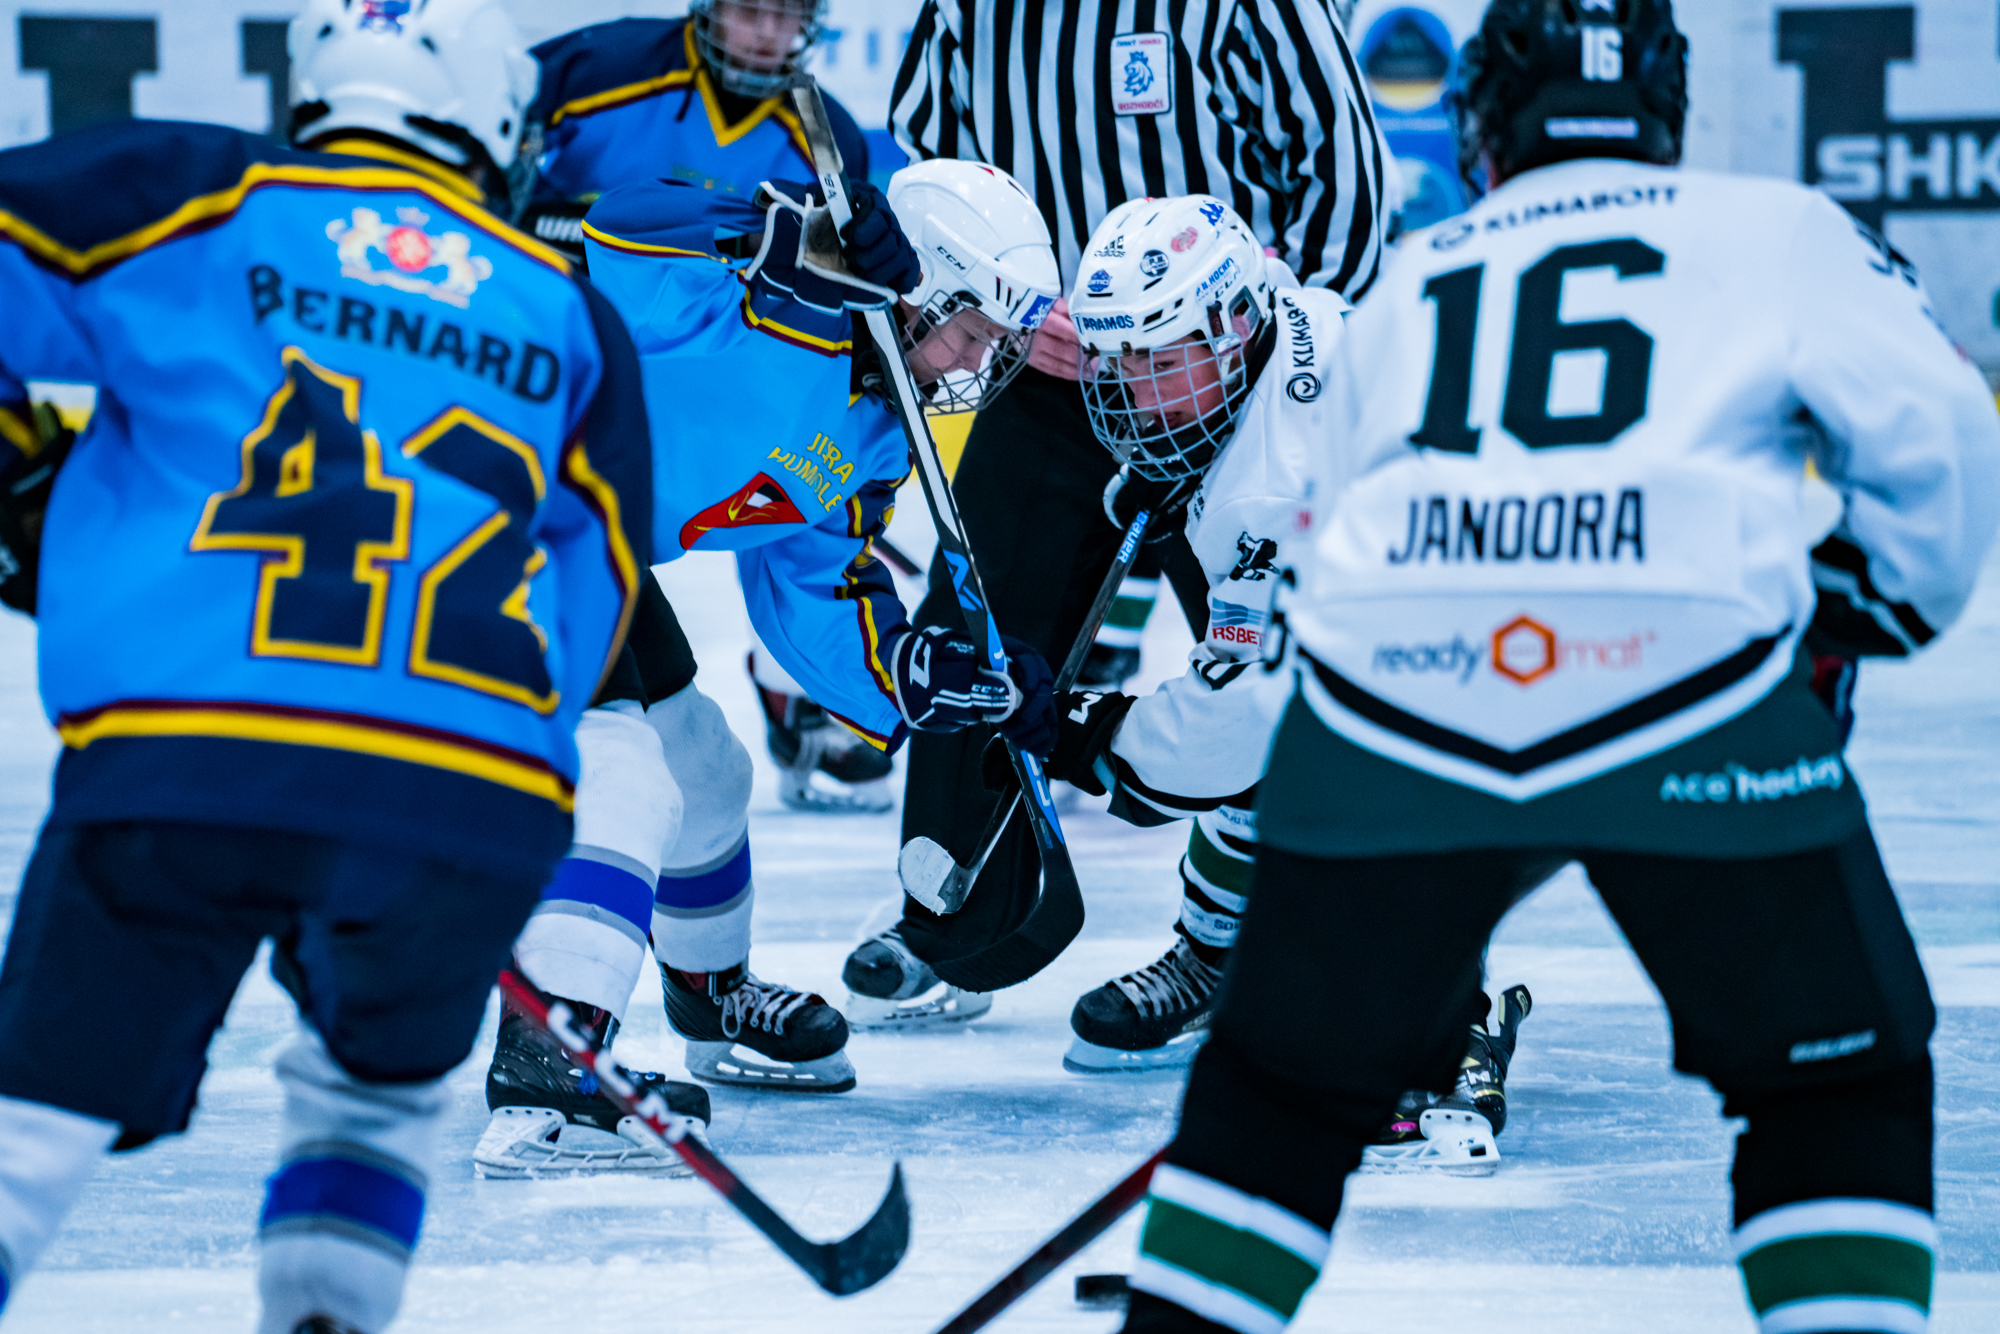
column 1609, row 1213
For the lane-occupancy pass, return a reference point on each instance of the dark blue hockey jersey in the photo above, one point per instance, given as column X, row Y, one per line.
column 361, row 512
column 629, row 102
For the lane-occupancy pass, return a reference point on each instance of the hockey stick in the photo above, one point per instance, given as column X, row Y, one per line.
column 860, row 1260
column 929, row 873
column 1078, row 1233
column 893, row 555
column 1058, row 913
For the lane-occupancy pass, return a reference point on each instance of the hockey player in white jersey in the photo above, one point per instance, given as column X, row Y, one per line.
column 1554, row 603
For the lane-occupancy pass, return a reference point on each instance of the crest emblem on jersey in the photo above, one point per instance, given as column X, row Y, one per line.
column 441, row 267
column 1256, row 558
column 383, row 15
column 760, row 500
column 1139, row 74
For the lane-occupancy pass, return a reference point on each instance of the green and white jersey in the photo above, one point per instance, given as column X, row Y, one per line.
column 1558, row 522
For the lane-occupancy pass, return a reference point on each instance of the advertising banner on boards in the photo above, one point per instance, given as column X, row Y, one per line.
column 1890, row 106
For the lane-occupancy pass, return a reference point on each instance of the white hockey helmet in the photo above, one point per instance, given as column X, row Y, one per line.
column 989, row 277
column 451, row 77
column 771, row 39
column 1171, row 297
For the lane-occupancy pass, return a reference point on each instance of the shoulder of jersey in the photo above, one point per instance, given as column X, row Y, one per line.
column 606, row 58
column 175, row 179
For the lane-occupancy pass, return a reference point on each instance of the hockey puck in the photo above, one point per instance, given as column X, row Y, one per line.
column 1103, row 1292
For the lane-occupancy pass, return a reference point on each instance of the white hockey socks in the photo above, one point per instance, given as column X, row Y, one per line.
column 701, row 908
column 1839, row 1265
column 587, row 939
column 47, row 1156
column 342, row 1212
column 1215, row 875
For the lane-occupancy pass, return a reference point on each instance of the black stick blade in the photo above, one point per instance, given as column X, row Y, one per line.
column 867, row 1255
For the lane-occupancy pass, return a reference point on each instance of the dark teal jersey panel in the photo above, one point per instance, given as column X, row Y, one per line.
column 368, row 478
column 629, row 102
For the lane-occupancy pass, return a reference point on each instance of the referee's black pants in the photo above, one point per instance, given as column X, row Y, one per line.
column 1792, row 984
column 1030, row 489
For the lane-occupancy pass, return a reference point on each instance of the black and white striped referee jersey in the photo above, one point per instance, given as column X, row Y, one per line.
column 1089, row 105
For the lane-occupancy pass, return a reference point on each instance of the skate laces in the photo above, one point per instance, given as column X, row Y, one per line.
column 764, row 1005
column 1177, row 981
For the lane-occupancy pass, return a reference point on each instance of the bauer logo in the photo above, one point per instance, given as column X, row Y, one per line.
column 441, row 267
column 1103, row 323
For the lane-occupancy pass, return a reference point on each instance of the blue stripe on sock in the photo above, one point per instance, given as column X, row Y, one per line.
column 709, row 888
column 580, row 880
column 341, row 1188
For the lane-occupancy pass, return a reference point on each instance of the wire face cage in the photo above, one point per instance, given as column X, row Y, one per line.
column 1166, row 412
column 958, row 357
column 754, row 47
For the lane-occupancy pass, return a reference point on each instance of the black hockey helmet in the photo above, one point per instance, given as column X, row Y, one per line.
column 1547, row 80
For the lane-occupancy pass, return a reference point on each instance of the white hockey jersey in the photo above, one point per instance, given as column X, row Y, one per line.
column 1557, row 519
column 1201, row 738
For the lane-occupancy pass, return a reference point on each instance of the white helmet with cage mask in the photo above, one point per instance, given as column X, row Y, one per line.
column 1172, row 300
column 755, row 47
column 989, row 277
column 450, row 77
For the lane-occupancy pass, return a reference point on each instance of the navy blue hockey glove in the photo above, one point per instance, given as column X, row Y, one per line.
column 1086, row 721
column 24, row 497
column 876, row 246
column 802, row 256
column 944, row 685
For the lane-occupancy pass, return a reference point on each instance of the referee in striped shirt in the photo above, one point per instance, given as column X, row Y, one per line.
column 1088, row 104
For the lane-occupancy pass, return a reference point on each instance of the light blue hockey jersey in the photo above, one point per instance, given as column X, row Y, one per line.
column 362, row 509
column 630, row 101
column 764, row 442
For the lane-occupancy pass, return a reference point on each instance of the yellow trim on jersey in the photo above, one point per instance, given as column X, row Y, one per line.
column 208, row 209
column 455, row 181
column 610, row 242
column 514, row 607
column 576, row 467
column 20, row 432
column 791, row 335
column 442, row 425
column 245, row 722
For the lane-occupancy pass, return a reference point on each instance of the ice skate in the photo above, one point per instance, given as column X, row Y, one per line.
column 1153, row 1019
column 822, row 766
column 1482, row 1076
column 550, row 1119
column 889, row 988
column 1441, row 1139
column 741, row 1030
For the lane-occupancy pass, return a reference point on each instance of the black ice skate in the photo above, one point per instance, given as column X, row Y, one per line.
column 854, row 776
column 550, row 1118
column 1154, row 1019
column 1454, row 1134
column 1482, row 1076
column 741, row 1030
column 888, row 987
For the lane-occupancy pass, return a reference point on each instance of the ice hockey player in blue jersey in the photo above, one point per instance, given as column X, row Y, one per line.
column 700, row 100
column 771, row 441
column 323, row 589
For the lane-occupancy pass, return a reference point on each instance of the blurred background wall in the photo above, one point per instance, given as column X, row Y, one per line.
column 1891, row 106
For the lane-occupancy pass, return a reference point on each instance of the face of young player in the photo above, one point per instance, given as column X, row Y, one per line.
column 1176, row 385
column 759, row 34
column 962, row 343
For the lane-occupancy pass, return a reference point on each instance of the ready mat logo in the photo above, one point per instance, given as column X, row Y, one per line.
column 1852, row 150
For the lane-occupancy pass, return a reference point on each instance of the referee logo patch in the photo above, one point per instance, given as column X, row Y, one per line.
column 1141, row 74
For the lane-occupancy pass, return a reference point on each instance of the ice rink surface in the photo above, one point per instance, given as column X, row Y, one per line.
column 1609, row 1212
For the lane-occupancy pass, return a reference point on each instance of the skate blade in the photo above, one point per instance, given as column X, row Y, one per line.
column 1455, row 1143
column 1087, row 1058
column 832, row 798
column 734, row 1064
column 536, row 1143
column 939, row 1007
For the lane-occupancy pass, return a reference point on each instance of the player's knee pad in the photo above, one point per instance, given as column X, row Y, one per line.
column 714, row 773
column 701, row 913
column 587, row 939
column 342, row 1212
column 46, row 1158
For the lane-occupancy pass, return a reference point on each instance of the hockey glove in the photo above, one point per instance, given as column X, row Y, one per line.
column 1087, row 724
column 877, row 249
column 943, row 685
column 557, row 223
column 1126, row 494
column 24, row 496
column 802, row 257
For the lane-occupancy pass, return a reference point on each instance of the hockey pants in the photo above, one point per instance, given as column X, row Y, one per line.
column 1793, row 987
column 135, row 935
